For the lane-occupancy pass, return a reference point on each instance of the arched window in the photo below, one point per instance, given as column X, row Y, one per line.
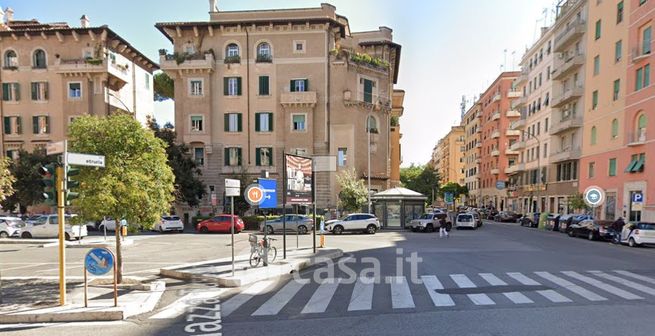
column 11, row 60
column 615, row 129
column 642, row 122
column 593, row 135
column 264, row 49
column 232, row 50
column 39, row 60
column 372, row 124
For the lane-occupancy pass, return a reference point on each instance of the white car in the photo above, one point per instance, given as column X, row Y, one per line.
column 10, row 227
column 354, row 222
column 465, row 220
column 636, row 234
column 169, row 223
column 428, row 222
column 107, row 222
column 47, row 226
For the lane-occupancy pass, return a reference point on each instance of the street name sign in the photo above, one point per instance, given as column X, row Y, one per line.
column 89, row 160
column 55, row 148
column 232, row 188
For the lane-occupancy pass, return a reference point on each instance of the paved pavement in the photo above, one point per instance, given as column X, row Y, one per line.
column 499, row 280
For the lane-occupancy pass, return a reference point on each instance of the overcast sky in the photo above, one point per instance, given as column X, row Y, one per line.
column 450, row 48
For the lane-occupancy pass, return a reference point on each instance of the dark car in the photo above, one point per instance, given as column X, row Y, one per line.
column 591, row 229
column 530, row 219
column 491, row 214
column 507, row 216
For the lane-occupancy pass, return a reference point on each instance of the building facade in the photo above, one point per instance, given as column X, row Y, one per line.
column 253, row 85
column 449, row 162
column 397, row 111
column 53, row 73
column 472, row 146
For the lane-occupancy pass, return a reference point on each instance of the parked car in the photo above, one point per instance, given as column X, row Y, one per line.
column 638, row 233
column 491, row 214
column 465, row 220
column 169, row 223
column 107, row 222
column 294, row 223
column 10, row 227
column 221, row 223
column 47, row 226
column 530, row 219
column 590, row 229
column 428, row 222
column 363, row 222
column 477, row 217
column 507, row 216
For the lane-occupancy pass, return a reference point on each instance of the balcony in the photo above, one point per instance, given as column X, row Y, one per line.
column 513, row 113
column 517, row 146
column 495, row 116
column 638, row 53
column 565, row 155
column 522, row 101
column 515, row 169
column 573, row 32
column 79, row 65
column 509, row 151
column 495, row 135
column 478, row 161
column 637, row 139
column 197, row 61
column 495, row 152
column 565, row 124
column 495, row 171
column 478, row 145
column 299, row 99
column 523, row 77
column 496, row 97
column 517, row 125
column 514, row 94
column 512, row 133
column 567, row 66
column 568, row 96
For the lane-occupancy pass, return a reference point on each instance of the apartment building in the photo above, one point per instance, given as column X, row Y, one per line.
column 397, row 111
column 496, row 138
column 568, row 103
column 52, row 73
column 450, row 157
column 253, row 85
column 472, row 149
column 527, row 185
column 604, row 138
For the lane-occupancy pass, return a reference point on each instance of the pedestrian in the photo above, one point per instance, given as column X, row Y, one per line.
column 617, row 228
column 442, row 227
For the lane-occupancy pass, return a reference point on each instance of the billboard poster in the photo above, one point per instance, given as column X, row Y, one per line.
column 298, row 179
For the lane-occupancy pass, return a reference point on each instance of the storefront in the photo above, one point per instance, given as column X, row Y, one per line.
column 397, row 207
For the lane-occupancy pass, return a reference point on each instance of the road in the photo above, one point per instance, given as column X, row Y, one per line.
column 499, row 280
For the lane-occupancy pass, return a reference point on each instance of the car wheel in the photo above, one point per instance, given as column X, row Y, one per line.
column 571, row 234
column 370, row 229
column 26, row 235
column 302, row 230
column 101, row 228
column 429, row 228
column 269, row 230
column 591, row 236
column 337, row 230
column 67, row 236
column 204, row 229
column 632, row 243
column 4, row 234
column 161, row 230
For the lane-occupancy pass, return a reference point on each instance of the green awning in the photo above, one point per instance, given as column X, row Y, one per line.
column 631, row 166
column 640, row 165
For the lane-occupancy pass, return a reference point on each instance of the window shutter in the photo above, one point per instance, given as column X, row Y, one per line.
column 270, row 156
column 7, row 122
column 17, row 91
column 258, row 157
column 306, row 84
column 47, row 125
column 226, row 156
column 5, row 91
column 45, row 90
column 35, row 125
column 239, row 156
column 239, row 123
column 238, row 86
column 270, row 122
column 35, row 89
column 267, row 89
column 257, row 122
column 19, row 125
column 226, row 81
column 226, row 122
column 292, row 86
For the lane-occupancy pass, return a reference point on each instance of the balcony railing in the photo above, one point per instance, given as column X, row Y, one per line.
column 517, row 145
column 496, row 97
column 513, row 114
column 568, row 96
column 512, row 133
column 495, row 116
column 575, row 30
column 264, row 58
column 565, row 155
column 639, row 53
column 515, row 169
column 637, row 139
column 300, row 99
column 495, row 152
column 566, row 124
column 495, row 135
column 518, row 125
column 514, row 94
column 523, row 77
column 509, row 151
column 520, row 102
column 568, row 66
column 495, row 171
column 197, row 61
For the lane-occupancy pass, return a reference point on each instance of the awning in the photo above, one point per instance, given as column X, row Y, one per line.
column 639, row 167
column 632, row 165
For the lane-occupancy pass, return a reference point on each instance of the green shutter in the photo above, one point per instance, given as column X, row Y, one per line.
column 35, row 125
column 225, row 86
column 258, row 157
column 646, row 75
column 263, row 86
column 19, row 125
column 618, row 50
column 35, row 89
column 632, row 164
column 257, row 123
column 368, row 91
column 238, row 86
column 17, row 91
column 270, row 156
column 226, row 156
column 5, row 91
column 7, row 122
column 598, row 23
column 46, row 94
column 646, row 40
column 226, row 122
column 639, row 167
column 306, row 84
column 292, row 86
column 639, row 79
column 47, row 125
column 612, row 169
column 239, row 123
column 239, row 156
column 270, row 122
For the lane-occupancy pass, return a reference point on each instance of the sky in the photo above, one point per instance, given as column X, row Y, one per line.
column 449, row 48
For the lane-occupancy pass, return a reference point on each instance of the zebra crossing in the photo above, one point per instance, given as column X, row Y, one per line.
column 304, row 298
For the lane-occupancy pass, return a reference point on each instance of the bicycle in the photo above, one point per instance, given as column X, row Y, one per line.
column 258, row 249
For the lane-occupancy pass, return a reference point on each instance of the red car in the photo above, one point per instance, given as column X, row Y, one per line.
column 220, row 223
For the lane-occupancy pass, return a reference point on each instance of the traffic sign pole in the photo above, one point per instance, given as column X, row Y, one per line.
column 62, row 246
column 232, row 229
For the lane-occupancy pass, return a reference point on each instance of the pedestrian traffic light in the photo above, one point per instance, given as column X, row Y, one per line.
column 48, row 181
column 71, row 185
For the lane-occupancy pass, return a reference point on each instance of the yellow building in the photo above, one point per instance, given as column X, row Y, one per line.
column 448, row 157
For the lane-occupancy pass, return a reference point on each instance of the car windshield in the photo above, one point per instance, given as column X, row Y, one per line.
column 426, row 216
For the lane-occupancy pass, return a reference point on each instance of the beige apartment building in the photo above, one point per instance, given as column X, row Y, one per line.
column 52, row 73
column 397, row 110
column 253, row 85
column 449, row 157
column 472, row 149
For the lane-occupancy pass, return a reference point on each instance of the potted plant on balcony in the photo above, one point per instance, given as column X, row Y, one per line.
column 264, row 58
column 236, row 59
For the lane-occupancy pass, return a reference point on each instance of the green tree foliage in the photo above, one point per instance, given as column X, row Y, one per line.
column 189, row 188
column 164, row 87
column 422, row 179
column 27, row 184
column 6, row 180
column 240, row 203
column 354, row 194
column 454, row 188
column 576, row 202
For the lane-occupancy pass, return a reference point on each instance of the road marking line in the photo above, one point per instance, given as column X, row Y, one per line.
column 26, row 266
column 322, row 297
column 554, row 296
column 362, row 296
column 518, row 298
column 401, row 296
column 637, row 276
column 463, row 281
column 624, row 282
column 180, row 305
column 275, row 304
column 524, row 280
column 591, row 296
column 481, row 299
column 238, row 300
column 432, row 284
column 601, row 285
column 492, row 279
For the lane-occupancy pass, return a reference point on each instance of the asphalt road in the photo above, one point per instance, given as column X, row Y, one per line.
column 499, row 280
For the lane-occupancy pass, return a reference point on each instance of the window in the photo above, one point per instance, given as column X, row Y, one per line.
column 298, row 122
column 545, row 150
column 619, row 12
column 372, row 125
column 616, row 90
column 642, row 122
column 232, row 156
column 637, row 163
column 299, row 85
column 199, row 155
column 642, row 77
column 264, row 156
column 263, row 122
column 264, row 53
column 612, row 167
column 618, row 50
column 594, row 99
column 11, row 60
column 597, row 36
column 10, row 92
column 232, row 86
column 195, row 87
column 593, row 135
column 342, row 157
column 646, row 35
column 146, row 79
column 592, row 168
column 548, row 73
column 641, row 2
column 596, row 65
column 368, row 86
column 197, row 124
column 74, row 90
column 39, row 59
column 232, row 50
column 546, row 125
column 13, row 125
column 264, row 89
column 615, row 129
column 41, row 125
column 298, row 47
column 232, row 122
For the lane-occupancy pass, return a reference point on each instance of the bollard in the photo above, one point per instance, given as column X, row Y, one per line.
column 322, row 241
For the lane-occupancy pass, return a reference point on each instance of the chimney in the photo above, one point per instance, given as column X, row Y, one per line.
column 9, row 14
column 84, row 21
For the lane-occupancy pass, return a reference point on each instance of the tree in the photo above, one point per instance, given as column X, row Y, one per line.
column 454, row 188
column 421, row 178
column 6, row 180
column 354, row 194
column 164, row 87
column 577, row 202
column 136, row 183
column 189, row 188
column 27, row 183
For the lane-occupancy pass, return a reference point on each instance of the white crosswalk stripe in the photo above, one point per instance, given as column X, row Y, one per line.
column 401, row 296
column 463, row 281
column 524, row 280
column 362, row 297
column 515, row 297
column 238, row 300
column 432, row 284
column 554, row 296
column 321, row 298
column 281, row 298
column 624, row 282
column 637, row 276
column 601, row 285
column 589, row 295
column 181, row 305
column 492, row 279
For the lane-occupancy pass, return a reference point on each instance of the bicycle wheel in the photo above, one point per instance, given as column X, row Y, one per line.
column 254, row 259
column 272, row 254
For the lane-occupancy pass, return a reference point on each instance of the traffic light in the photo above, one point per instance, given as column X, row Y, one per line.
column 49, row 181
column 71, row 185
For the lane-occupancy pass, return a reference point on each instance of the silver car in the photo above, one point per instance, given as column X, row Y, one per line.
column 294, row 223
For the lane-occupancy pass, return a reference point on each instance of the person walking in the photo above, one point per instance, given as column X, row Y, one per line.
column 442, row 227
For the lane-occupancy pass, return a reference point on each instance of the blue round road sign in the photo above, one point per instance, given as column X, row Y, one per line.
column 99, row 261
column 594, row 196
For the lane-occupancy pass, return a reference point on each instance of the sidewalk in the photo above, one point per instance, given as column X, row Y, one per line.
column 220, row 270
column 36, row 301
